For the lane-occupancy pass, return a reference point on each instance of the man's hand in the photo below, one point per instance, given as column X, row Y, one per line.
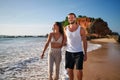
column 85, row 57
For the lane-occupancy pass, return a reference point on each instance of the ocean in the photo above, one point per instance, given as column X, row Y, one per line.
column 20, row 58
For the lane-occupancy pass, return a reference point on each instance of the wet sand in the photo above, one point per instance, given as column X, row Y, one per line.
column 103, row 63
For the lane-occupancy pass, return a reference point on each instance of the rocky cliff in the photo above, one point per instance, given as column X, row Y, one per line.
column 99, row 28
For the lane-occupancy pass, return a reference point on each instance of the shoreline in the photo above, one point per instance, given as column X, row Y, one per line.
column 105, row 40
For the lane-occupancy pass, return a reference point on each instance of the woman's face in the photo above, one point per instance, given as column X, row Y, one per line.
column 55, row 28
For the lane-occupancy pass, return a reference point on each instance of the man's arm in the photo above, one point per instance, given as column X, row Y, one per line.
column 84, row 39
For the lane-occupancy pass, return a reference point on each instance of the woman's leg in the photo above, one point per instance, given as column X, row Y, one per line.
column 50, row 65
column 57, row 64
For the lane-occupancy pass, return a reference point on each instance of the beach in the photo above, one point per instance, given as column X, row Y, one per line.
column 103, row 63
column 21, row 60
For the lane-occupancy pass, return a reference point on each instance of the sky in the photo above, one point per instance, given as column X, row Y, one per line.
column 36, row 17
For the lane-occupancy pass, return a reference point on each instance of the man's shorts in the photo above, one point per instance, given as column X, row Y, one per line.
column 74, row 59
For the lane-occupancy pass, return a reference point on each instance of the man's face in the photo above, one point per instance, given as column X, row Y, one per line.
column 71, row 19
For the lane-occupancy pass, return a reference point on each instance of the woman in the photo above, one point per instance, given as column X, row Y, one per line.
column 55, row 39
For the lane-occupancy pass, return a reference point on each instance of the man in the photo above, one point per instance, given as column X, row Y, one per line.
column 76, row 52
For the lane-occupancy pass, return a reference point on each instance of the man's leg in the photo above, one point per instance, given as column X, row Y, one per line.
column 79, row 74
column 70, row 74
column 69, row 64
column 79, row 66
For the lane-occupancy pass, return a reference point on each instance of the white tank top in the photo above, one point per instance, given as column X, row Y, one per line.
column 74, row 42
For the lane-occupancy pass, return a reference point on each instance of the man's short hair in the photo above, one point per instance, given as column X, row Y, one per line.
column 72, row 14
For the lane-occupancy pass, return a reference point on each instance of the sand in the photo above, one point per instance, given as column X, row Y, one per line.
column 107, row 40
column 103, row 63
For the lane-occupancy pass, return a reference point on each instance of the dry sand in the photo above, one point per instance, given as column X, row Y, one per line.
column 108, row 40
column 103, row 63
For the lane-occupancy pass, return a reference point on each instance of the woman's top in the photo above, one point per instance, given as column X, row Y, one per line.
column 56, row 43
column 59, row 40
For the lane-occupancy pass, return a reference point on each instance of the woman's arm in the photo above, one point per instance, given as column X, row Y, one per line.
column 46, row 45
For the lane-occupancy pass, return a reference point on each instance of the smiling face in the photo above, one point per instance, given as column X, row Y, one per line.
column 71, row 19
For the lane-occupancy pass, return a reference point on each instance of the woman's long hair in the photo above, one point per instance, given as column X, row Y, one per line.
column 60, row 27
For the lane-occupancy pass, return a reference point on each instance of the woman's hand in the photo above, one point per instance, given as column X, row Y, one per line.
column 42, row 55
